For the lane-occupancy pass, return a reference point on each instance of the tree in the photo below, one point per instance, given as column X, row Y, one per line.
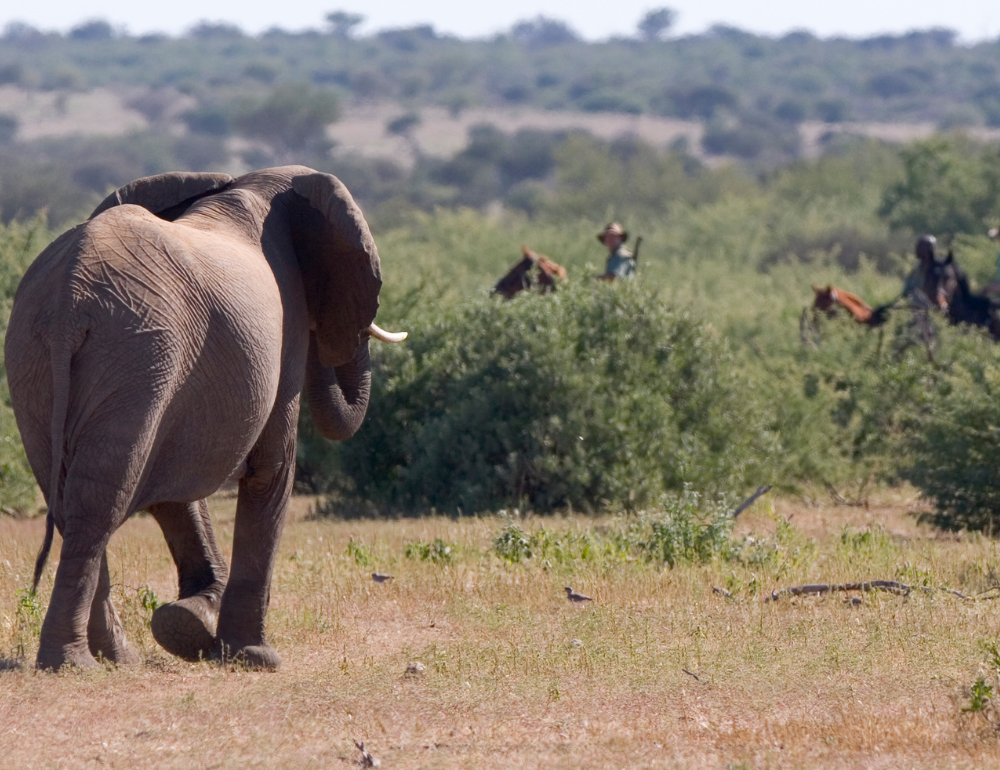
column 542, row 31
column 656, row 23
column 206, row 30
column 404, row 126
column 342, row 23
column 92, row 31
column 292, row 121
column 946, row 189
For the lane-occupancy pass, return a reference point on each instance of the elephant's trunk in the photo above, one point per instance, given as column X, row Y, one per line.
column 338, row 395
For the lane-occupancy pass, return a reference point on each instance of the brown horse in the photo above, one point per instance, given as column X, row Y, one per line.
column 521, row 276
column 829, row 298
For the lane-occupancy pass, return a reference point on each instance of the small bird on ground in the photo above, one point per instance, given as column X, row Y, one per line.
column 367, row 760
column 379, row 578
column 573, row 596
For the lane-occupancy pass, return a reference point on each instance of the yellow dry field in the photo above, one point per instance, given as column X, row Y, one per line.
column 658, row 671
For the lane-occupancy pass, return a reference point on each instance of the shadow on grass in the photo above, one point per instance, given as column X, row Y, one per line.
column 12, row 664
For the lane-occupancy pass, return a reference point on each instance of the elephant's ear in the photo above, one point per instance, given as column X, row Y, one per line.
column 166, row 195
column 340, row 266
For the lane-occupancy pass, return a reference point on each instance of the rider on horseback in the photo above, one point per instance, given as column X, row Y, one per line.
column 926, row 286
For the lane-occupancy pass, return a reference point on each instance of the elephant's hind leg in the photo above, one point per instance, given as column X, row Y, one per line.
column 260, row 514
column 105, row 634
column 186, row 627
column 96, row 499
column 65, row 637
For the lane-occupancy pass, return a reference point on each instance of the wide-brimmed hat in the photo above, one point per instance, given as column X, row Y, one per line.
column 613, row 228
column 994, row 232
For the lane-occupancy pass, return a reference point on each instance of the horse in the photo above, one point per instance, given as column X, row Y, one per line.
column 520, row 276
column 963, row 305
column 828, row 300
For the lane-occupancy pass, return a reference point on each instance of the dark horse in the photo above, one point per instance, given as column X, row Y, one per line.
column 521, row 277
column 964, row 306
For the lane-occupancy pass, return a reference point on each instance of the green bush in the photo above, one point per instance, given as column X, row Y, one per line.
column 957, row 440
column 597, row 396
column 844, row 410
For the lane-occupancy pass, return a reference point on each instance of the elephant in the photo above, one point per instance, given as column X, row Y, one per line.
column 157, row 351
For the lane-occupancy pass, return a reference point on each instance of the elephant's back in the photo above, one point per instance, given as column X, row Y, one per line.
column 200, row 315
column 175, row 339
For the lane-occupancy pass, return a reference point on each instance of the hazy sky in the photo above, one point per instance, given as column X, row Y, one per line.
column 972, row 19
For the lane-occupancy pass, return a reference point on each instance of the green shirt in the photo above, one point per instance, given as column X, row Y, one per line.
column 621, row 263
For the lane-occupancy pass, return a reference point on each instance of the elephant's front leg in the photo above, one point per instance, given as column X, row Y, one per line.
column 260, row 514
column 105, row 635
column 186, row 627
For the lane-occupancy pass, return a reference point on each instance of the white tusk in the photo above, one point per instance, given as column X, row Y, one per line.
column 383, row 336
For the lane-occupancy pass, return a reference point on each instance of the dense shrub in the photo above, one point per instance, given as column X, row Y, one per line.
column 845, row 409
column 593, row 397
column 956, row 447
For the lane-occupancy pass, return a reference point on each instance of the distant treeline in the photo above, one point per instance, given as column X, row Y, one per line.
column 725, row 76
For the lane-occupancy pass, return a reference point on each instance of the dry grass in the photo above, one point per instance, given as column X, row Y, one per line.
column 42, row 114
column 515, row 675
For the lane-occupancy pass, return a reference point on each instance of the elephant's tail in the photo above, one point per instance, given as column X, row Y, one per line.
column 62, row 355
column 43, row 552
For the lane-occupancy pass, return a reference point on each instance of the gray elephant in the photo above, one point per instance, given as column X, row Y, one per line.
column 159, row 349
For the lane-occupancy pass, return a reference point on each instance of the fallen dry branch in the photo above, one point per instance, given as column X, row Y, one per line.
column 761, row 490
column 890, row 586
column 839, row 499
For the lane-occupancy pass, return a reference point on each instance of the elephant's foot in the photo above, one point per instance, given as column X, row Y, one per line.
column 54, row 657
column 255, row 657
column 117, row 651
column 106, row 637
column 186, row 627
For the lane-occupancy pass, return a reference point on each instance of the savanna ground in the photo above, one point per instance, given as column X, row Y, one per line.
column 658, row 671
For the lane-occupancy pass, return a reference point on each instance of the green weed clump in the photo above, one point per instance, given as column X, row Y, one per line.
column 685, row 532
column 550, row 548
column 685, row 529
column 436, row 552
column 596, row 397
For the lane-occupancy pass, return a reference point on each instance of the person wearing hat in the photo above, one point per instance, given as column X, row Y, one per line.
column 621, row 263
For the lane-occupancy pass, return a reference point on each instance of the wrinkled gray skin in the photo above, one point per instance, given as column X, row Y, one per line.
column 159, row 349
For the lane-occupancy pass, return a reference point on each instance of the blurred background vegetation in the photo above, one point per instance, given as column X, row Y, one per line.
column 598, row 397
